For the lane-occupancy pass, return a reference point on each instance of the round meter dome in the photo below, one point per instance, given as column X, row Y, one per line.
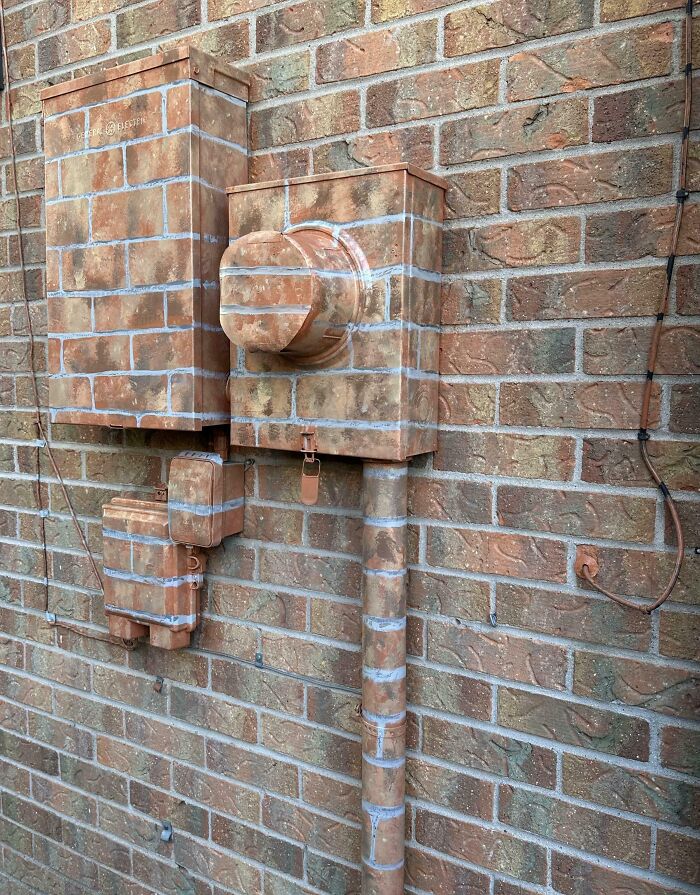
column 295, row 293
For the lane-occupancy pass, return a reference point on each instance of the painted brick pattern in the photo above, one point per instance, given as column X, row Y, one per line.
column 366, row 371
column 555, row 754
column 135, row 219
column 152, row 583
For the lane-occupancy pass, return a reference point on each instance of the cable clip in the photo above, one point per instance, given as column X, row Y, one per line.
column 310, row 468
column 643, row 435
column 682, row 195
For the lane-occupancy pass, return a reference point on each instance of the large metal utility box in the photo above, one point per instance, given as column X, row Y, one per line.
column 330, row 295
column 137, row 161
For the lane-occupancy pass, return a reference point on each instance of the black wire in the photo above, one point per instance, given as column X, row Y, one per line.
column 292, row 675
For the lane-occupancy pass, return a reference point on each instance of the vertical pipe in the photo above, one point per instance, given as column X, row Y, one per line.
column 384, row 677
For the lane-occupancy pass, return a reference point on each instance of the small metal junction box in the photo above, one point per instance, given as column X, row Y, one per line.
column 137, row 161
column 152, row 584
column 330, row 295
column 205, row 499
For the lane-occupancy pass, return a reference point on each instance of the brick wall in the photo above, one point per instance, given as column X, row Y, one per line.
column 552, row 753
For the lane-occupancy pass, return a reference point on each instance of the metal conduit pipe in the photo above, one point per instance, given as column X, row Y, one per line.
column 384, row 581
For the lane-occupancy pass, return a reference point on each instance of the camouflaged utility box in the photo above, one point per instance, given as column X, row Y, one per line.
column 137, row 161
column 330, row 295
column 152, row 584
column 205, row 498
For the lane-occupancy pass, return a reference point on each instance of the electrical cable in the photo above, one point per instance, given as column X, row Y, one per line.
column 643, row 435
column 271, row 669
column 42, row 437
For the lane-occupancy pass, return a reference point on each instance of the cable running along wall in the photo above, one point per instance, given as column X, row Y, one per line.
column 41, row 432
column 586, row 562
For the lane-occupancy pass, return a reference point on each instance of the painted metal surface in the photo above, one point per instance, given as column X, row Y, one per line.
column 351, row 258
column 152, row 584
column 205, row 498
column 137, row 161
column 385, row 576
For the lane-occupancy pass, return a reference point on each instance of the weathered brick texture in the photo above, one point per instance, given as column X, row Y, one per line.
column 556, row 752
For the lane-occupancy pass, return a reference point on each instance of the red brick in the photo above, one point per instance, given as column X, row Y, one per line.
column 639, row 112
column 670, row 691
column 460, row 792
column 578, row 725
column 155, row 20
column 531, row 128
column 473, row 194
column 165, row 738
column 74, row 45
column 493, row 453
column 312, row 745
column 470, row 301
column 448, row 595
column 276, row 165
column 385, row 10
column 614, row 462
column 594, row 293
column 518, row 244
column 230, row 43
column 464, row 404
column 572, row 876
column 312, row 829
column 677, row 855
column 594, row 62
column 679, row 635
column 497, row 553
column 601, row 177
column 433, row 93
column 680, row 750
column 613, row 350
column 500, row 655
column 487, row 848
column 586, row 514
column 457, row 694
column 250, row 767
column 376, row 52
column 218, row 866
column 583, row 828
column 613, row 10
column 625, row 235
column 34, row 21
column 429, row 873
column 688, row 289
column 646, row 573
column 224, row 9
column 278, row 76
column 502, row 24
column 308, row 119
column 507, row 353
column 306, row 21
column 685, row 400
column 413, row 145
column 572, row 616
column 339, row 797
column 600, row 405
column 638, row 792
column 458, row 502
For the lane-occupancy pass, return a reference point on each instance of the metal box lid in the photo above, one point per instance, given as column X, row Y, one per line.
column 138, row 158
column 205, row 498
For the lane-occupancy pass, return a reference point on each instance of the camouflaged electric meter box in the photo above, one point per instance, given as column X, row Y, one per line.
column 137, row 161
column 152, row 583
column 205, row 498
column 330, row 295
